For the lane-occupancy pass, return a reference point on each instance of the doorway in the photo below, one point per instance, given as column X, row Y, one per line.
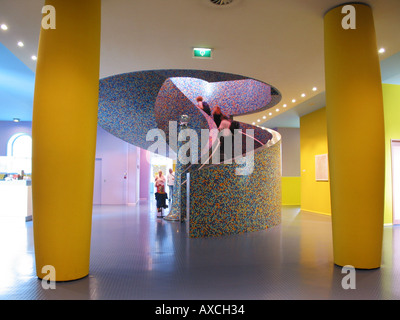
column 395, row 148
column 97, row 181
column 158, row 163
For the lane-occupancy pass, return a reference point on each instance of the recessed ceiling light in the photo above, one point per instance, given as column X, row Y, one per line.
column 253, row 123
column 285, row 105
column 34, row 58
column 314, row 89
column 303, row 95
column 258, row 120
column 294, row 100
column 277, row 110
column 264, row 117
column 20, row 44
column 270, row 113
column 381, row 50
column 3, row 27
column 16, row 119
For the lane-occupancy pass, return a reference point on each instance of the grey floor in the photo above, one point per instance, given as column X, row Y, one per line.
column 134, row 255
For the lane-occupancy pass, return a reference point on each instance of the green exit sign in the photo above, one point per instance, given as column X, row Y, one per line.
column 202, row 53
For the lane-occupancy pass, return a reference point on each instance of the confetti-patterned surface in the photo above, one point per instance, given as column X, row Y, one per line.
column 133, row 103
column 221, row 201
column 233, row 97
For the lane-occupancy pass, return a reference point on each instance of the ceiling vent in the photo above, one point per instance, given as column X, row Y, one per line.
column 221, row 2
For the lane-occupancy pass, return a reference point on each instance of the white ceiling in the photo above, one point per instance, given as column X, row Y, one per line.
column 278, row 42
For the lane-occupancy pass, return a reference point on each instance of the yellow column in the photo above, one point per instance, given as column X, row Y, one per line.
column 356, row 147
column 64, row 138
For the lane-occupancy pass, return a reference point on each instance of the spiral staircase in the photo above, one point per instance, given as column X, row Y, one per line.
column 214, row 195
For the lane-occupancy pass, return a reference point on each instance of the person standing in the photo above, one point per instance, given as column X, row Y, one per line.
column 225, row 133
column 170, row 183
column 160, row 194
column 160, row 179
column 203, row 105
column 217, row 115
column 225, row 124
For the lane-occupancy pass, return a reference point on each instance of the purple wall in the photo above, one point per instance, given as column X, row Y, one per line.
column 113, row 154
column 120, row 164
column 144, row 174
column 133, row 174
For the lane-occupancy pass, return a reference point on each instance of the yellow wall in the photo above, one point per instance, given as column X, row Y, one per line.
column 291, row 189
column 315, row 196
column 391, row 103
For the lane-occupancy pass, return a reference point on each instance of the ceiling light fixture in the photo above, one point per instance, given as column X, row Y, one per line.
column 303, row 95
column 285, row 105
column 253, row 123
column 314, row 89
column 294, row 100
column 20, row 44
column 16, row 120
column 381, row 50
column 3, row 27
column 270, row 113
column 277, row 110
column 258, row 120
column 34, row 58
column 264, row 117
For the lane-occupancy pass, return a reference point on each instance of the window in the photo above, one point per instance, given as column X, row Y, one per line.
column 20, row 145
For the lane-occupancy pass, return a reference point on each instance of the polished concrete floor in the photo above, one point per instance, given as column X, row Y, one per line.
column 134, row 255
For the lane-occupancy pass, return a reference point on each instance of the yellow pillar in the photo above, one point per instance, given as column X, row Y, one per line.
column 356, row 147
column 64, row 138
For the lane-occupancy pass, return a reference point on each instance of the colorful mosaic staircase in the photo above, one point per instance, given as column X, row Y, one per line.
column 214, row 199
